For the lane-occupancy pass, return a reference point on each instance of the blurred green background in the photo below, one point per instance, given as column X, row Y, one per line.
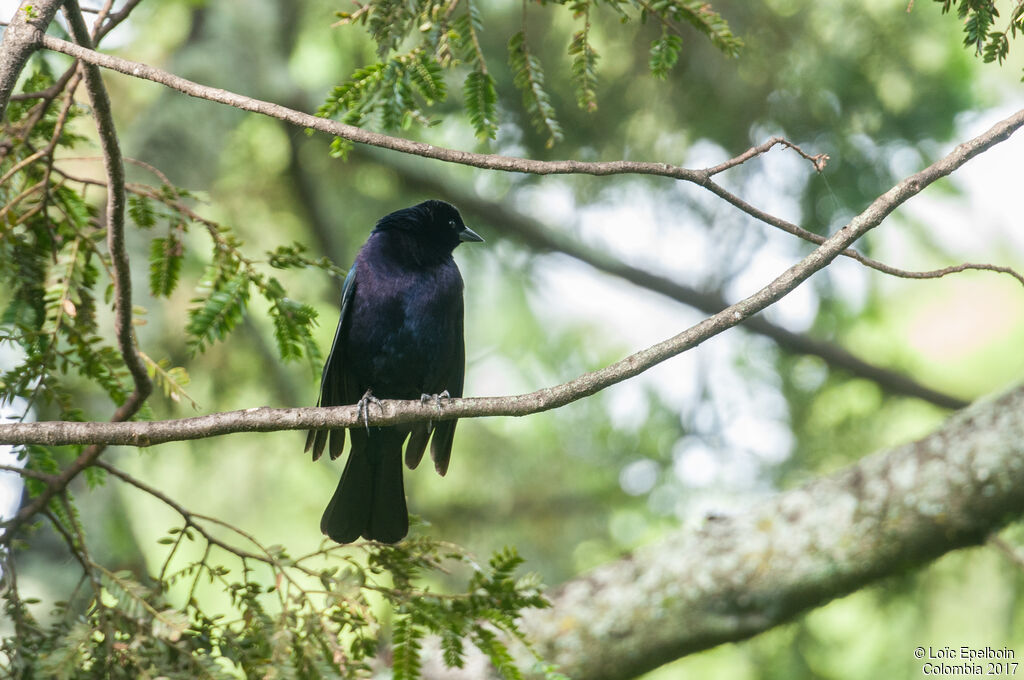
column 881, row 90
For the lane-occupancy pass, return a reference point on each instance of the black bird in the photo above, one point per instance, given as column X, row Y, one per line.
column 400, row 336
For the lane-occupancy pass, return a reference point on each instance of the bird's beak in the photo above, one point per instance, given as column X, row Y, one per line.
column 469, row 235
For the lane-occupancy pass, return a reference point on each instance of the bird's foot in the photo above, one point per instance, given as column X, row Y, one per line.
column 436, row 398
column 363, row 408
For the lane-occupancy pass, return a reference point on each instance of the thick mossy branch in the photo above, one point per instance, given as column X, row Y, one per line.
column 739, row 575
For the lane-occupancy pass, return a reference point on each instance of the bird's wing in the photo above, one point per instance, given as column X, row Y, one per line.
column 444, row 431
column 332, row 366
column 334, row 380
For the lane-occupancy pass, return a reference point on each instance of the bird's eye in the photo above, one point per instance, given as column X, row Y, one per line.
column 451, row 223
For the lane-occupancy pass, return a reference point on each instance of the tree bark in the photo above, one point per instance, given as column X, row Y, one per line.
column 22, row 37
column 740, row 575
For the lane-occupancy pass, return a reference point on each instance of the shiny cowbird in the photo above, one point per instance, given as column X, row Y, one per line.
column 400, row 336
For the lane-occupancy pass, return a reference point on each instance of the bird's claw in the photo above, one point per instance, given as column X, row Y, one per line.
column 363, row 408
column 436, row 398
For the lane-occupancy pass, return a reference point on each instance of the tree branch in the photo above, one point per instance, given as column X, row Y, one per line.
column 115, row 210
column 22, row 37
column 114, row 165
column 393, row 412
column 737, row 576
column 544, row 238
column 811, row 237
column 497, row 162
column 191, row 519
column 361, row 136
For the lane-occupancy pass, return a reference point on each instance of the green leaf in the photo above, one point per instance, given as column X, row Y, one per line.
column 406, row 649
column 584, row 64
column 427, row 76
column 361, row 85
column 452, row 648
column 664, row 54
column 165, row 258
column 169, row 624
column 698, row 13
column 466, row 29
column 529, row 78
column 215, row 316
column 63, row 661
column 488, row 643
column 173, row 380
column 95, row 477
column 63, row 282
column 140, row 209
column 481, row 101
column 293, row 330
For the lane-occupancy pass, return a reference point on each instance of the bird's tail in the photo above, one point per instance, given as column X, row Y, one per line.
column 370, row 498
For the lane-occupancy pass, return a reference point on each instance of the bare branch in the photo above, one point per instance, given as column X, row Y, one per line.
column 32, row 474
column 266, row 419
column 818, row 160
column 544, row 238
column 811, row 237
column 112, row 20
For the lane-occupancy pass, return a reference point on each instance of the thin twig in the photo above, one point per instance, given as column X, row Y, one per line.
column 817, row 160
column 114, row 19
column 32, row 474
column 50, row 92
column 1007, row 549
column 189, row 517
column 817, row 239
column 192, row 521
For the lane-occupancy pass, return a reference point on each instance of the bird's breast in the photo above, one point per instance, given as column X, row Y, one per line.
column 403, row 323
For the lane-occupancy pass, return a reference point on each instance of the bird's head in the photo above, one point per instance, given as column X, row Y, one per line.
column 433, row 226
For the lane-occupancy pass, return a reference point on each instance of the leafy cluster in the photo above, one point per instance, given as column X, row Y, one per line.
column 223, row 292
column 55, row 270
column 979, row 21
column 529, row 78
column 393, row 92
column 389, row 92
column 490, row 604
column 327, row 614
column 52, row 262
column 321, row 618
